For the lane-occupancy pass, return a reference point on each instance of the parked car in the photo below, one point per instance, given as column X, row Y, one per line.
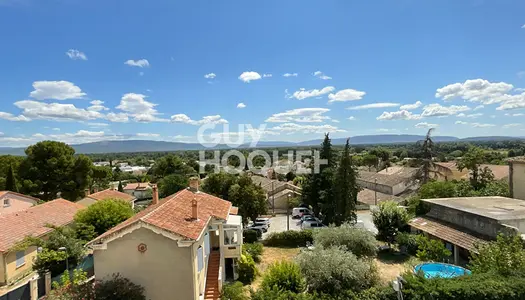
column 305, row 218
column 256, row 226
column 312, row 224
column 263, row 221
column 298, row 212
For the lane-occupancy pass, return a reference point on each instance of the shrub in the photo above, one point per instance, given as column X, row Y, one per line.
column 416, row 207
column 105, row 214
column 276, row 294
column 255, row 250
column 291, row 238
column 284, row 275
column 359, row 241
column 407, row 242
column 388, row 218
column 246, row 269
column 431, row 249
column 118, row 288
column 335, row 270
column 505, row 256
column 233, row 291
column 251, row 236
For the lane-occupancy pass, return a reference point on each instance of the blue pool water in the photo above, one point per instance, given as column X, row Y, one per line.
column 432, row 270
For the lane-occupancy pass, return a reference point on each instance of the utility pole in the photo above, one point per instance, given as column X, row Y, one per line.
column 273, row 201
column 375, row 191
column 288, row 211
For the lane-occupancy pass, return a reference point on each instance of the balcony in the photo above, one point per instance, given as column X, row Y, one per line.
column 231, row 241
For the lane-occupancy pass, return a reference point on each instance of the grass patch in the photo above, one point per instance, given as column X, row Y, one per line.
column 271, row 255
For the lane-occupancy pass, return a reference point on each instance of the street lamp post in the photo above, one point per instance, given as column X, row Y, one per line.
column 288, row 211
column 67, row 256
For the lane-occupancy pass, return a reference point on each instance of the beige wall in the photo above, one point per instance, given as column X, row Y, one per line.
column 199, row 277
column 86, row 202
column 518, row 180
column 17, row 203
column 2, row 269
column 164, row 270
column 14, row 273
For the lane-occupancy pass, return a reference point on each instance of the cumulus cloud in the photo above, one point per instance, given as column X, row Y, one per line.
column 58, row 90
column 346, row 95
column 373, row 105
column 139, row 108
column 411, row 106
column 55, row 111
column 437, row 110
column 96, row 105
column 117, row 117
column 321, row 75
column 290, row 75
column 351, row 118
column 75, row 54
column 302, row 115
column 475, row 90
column 141, row 63
column 95, row 125
column 249, row 76
column 426, row 125
column 241, row 105
column 475, row 125
column 512, row 102
column 182, row 118
column 303, row 93
column 210, row 76
column 479, row 107
column 398, row 115
column 472, row 116
column 291, row 128
column 11, row 117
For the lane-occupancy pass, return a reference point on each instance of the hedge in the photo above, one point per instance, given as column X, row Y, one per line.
column 291, row 238
column 251, row 236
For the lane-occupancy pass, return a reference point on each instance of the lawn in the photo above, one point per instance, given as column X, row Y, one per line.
column 392, row 264
column 271, row 255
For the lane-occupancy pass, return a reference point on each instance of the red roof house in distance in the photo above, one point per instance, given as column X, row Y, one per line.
column 12, row 202
column 104, row 195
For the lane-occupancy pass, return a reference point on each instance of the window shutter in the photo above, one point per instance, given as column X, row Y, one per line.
column 200, row 259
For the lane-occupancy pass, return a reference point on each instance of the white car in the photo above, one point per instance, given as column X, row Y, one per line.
column 265, row 221
column 298, row 212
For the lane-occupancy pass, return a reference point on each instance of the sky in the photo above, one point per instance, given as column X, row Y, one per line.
column 275, row 70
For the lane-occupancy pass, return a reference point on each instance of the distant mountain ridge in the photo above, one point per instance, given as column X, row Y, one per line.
column 162, row 146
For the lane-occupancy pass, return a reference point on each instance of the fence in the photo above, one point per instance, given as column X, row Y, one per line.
column 21, row 293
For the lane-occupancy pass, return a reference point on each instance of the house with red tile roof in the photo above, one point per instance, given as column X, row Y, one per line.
column 139, row 190
column 183, row 246
column 33, row 221
column 104, row 195
column 12, row 202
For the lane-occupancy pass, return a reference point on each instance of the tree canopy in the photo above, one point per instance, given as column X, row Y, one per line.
column 105, row 214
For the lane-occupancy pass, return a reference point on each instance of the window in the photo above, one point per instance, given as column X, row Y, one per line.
column 230, row 237
column 20, row 258
column 200, row 259
column 6, row 203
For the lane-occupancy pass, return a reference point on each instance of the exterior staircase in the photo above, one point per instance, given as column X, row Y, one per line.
column 212, row 292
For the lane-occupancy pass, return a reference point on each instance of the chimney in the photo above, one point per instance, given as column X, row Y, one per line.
column 194, row 209
column 155, row 195
column 194, row 184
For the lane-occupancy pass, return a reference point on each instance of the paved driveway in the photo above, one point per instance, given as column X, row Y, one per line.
column 366, row 217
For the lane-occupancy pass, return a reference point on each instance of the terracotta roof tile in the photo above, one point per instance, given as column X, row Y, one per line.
column 367, row 196
column 32, row 221
column 461, row 237
column 173, row 214
column 4, row 193
column 137, row 186
column 111, row 194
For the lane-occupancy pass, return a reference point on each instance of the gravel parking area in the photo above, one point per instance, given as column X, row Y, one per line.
column 279, row 224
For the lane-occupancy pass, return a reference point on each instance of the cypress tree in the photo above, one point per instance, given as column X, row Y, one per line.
column 120, row 187
column 345, row 188
column 10, row 181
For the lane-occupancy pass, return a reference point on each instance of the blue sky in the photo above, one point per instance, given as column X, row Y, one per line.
column 401, row 66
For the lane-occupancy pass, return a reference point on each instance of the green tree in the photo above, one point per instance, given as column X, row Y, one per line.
column 471, row 161
column 290, row 176
column 370, row 160
column 120, row 187
column 249, row 198
column 438, row 189
column 171, row 184
column 171, row 164
column 105, row 214
column 50, row 168
column 346, row 188
column 10, row 182
column 218, row 184
column 505, row 257
column 427, row 163
column 388, row 218
column 101, row 176
column 431, row 249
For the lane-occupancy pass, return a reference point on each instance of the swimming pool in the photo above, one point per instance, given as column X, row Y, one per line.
column 432, row 270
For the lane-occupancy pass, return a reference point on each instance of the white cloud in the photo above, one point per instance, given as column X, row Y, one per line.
column 141, row 63
column 294, row 128
column 75, row 54
column 182, row 118
column 437, row 110
column 426, row 125
column 148, row 134
column 346, row 95
column 56, row 129
column 303, row 115
column 55, row 111
column 462, row 115
column 398, row 115
column 303, row 94
column 140, row 109
column 411, row 106
column 97, row 124
column 11, row 117
column 267, row 75
column 518, row 115
column 249, row 76
column 290, row 74
column 475, row 125
column 373, row 105
column 210, row 76
column 513, row 102
column 475, row 90
column 385, row 130
column 461, row 123
column 96, row 105
column 117, row 117
column 479, row 107
column 321, row 75
column 59, row 90
column 512, row 125
column 351, row 118
column 38, row 135
column 519, row 90
column 241, row 105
